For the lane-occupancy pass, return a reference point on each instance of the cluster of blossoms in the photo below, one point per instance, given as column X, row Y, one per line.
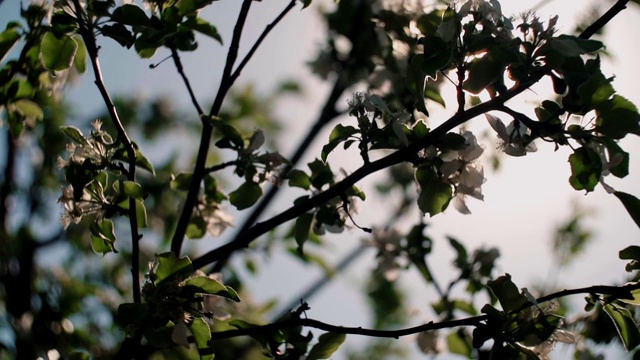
column 366, row 107
column 462, row 171
column 97, row 148
column 94, row 151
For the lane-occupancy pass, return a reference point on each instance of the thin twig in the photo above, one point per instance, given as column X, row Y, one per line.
column 220, row 166
column 178, row 63
column 90, row 42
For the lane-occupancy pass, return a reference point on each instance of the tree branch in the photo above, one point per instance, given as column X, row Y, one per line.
column 178, row 63
column 92, row 49
column 620, row 292
column 336, row 190
column 604, row 19
column 404, row 154
column 262, row 36
column 207, row 131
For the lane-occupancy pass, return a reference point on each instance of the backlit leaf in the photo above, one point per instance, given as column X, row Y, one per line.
column 631, row 203
column 327, row 344
column 246, row 195
column 57, row 53
column 624, row 323
column 617, row 117
column 8, row 39
column 507, row 293
column 434, row 195
column 169, row 268
column 586, row 168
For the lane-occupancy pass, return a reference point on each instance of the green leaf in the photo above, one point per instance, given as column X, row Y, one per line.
column 621, row 169
column 437, row 54
column 586, row 168
column 57, row 53
column 181, row 181
column 246, row 195
column 128, row 188
column 301, row 230
column 420, row 130
column 203, row 26
column 119, row 33
column 201, row 332
column 187, row 7
column 534, row 331
column 321, row 173
column 459, row 343
column 207, row 285
column 416, row 82
column 103, row 237
column 507, row 293
column 306, row 3
column 80, row 60
column 462, row 259
column 142, row 161
column 597, row 89
column 630, row 253
column 171, row 268
column 8, row 39
column 327, row 344
column 339, row 134
column 141, row 213
column 486, row 70
column 129, row 14
column 298, row 178
column 29, row 109
column 434, row 195
column 585, row 45
column 624, row 323
column 617, row 117
column 631, row 203
column 229, row 132
column 197, row 227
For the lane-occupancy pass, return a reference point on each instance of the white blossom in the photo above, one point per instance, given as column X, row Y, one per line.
column 74, row 210
column 544, row 348
column 460, row 169
column 514, row 137
column 215, row 217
